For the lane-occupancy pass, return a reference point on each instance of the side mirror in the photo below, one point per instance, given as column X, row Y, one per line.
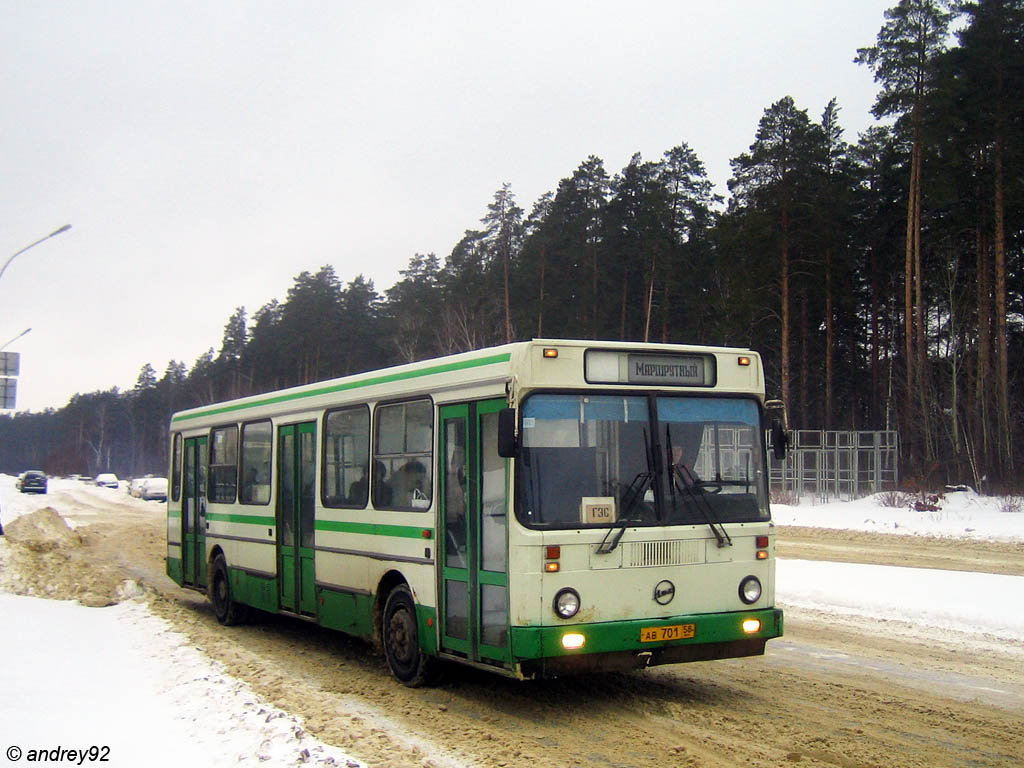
column 780, row 440
column 507, row 433
column 779, row 428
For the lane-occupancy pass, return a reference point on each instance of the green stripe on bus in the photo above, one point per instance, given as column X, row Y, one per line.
column 376, row 529
column 217, row 517
column 174, row 513
column 385, row 379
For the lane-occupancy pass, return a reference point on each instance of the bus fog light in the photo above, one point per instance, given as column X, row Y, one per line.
column 573, row 641
column 567, row 603
column 750, row 626
column 750, row 590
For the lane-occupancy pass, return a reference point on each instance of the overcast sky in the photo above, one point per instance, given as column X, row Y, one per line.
column 205, row 153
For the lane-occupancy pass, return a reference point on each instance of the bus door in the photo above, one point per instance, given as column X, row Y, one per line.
column 296, row 506
column 474, row 534
column 193, row 512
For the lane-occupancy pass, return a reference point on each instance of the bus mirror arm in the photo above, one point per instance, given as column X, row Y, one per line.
column 507, row 433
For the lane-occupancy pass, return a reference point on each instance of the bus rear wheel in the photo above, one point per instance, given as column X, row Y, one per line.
column 400, row 633
column 227, row 611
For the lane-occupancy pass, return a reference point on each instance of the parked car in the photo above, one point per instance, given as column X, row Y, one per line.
column 33, row 481
column 154, row 489
column 107, row 480
column 135, row 487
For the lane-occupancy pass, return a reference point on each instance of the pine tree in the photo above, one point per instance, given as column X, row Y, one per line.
column 503, row 233
column 772, row 180
column 902, row 61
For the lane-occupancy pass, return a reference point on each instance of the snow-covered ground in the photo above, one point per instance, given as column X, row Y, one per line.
column 960, row 514
column 119, row 677
column 928, row 599
column 117, row 680
column 120, row 680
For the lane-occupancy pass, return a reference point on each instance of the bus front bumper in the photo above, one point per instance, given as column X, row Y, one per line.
column 621, row 645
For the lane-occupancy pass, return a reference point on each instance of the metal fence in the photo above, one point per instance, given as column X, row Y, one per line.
column 837, row 465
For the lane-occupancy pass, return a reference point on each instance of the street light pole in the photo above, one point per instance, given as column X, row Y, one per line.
column 8, row 343
column 56, row 232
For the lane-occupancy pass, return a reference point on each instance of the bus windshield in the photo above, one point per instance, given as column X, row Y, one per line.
column 598, row 460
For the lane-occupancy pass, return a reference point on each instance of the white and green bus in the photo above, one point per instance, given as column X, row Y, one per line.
column 536, row 509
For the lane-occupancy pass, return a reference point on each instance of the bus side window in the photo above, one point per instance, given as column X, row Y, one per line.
column 223, row 464
column 256, row 456
column 346, row 457
column 403, row 450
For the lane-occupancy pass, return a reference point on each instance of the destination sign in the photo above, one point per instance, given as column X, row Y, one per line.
column 605, row 366
column 673, row 370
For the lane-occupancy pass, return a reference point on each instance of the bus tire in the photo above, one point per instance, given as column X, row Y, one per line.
column 400, row 633
column 227, row 611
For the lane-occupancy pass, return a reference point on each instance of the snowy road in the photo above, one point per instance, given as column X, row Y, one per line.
column 863, row 643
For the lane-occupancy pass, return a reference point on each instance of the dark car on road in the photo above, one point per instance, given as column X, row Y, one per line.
column 33, row 481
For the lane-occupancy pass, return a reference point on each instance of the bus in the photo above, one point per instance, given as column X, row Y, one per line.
column 536, row 509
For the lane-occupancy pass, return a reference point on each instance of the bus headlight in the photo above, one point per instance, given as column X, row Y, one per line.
column 750, row 590
column 567, row 603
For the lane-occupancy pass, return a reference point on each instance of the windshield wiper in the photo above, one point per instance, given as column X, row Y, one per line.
column 637, row 487
column 635, row 491
column 689, row 485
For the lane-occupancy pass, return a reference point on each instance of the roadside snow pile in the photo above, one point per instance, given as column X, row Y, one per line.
column 42, row 555
column 959, row 514
column 42, row 531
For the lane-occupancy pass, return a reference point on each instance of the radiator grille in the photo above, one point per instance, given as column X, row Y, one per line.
column 644, row 554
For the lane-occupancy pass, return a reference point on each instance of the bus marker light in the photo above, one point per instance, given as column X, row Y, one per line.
column 761, row 542
column 550, row 353
column 552, row 553
column 551, row 567
column 744, row 361
column 762, row 554
column 573, row 641
column 427, row 533
column 750, row 626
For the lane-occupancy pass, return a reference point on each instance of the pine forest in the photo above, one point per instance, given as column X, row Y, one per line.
column 881, row 278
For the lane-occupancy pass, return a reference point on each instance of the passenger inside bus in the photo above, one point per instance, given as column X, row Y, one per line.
column 357, row 491
column 408, row 484
column 382, row 493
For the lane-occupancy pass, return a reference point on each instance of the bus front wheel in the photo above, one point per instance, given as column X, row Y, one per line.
column 402, row 642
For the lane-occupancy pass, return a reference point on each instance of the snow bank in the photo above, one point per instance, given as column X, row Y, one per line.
column 961, row 514
column 969, row 603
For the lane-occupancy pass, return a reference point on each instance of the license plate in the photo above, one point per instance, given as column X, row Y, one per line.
column 671, row 632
